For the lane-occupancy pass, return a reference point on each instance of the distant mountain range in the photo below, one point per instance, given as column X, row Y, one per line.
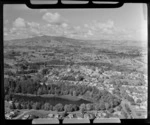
column 48, row 41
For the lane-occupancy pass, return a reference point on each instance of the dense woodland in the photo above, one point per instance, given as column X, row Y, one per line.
column 100, row 100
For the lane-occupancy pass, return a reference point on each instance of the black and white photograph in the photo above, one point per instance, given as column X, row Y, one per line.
column 75, row 63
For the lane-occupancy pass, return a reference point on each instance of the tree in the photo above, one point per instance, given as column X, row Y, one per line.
column 36, row 105
column 19, row 106
column 92, row 116
column 111, row 110
column 80, row 78
column 44, row 71
column 87, row 94
column 107, row 106
column 59, row 107
column 68, row 108
column 127, row 108
column 138, row 101
column 13, row 106
column 102, row 106
column 29, row 106
column 24, row 106
column 119, row 108
column 18, row 88
column 75, row 107
column 50, row 107
column 116, row 102
column 39, row 92
column 124, row 114
column 130, row 99
column 82, row 108
column 74, row 93
column 89, row 107
column 64, row 114
column 46, row 106
column 7, row 97
column 96, row 107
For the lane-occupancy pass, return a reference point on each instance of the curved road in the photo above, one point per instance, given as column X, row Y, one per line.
column 21, row 115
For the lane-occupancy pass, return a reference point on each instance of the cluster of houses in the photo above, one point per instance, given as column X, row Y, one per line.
column 11, row 114
column 71, row 115
column 76, row 115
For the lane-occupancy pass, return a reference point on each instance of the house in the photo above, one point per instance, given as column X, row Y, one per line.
column 103, row 114
column 12, row 113
column 8, row 116
column 51, row 115
column 99, row 115
column 118, row 113
column 26, row 116
column 56, row 116
column 41, row 83
column 70, row 115
column 142, row 107
column 10, row 102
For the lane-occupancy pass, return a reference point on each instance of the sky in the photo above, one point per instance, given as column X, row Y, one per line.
column 128, row 22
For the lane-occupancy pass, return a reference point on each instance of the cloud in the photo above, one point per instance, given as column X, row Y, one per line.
column 22, row 28
column 33, row 28
column 108, row 30
column 64, row 25
column 142, row 31
column 89, row 33
column 33, row 25
column 51, row 17
column 19, row 23
column 99, row 26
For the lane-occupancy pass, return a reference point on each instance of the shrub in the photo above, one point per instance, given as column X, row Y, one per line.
column 59, row 107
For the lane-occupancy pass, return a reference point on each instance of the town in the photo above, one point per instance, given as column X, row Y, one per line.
column 66, row 78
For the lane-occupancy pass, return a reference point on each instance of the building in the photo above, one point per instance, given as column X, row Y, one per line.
column 51, row 115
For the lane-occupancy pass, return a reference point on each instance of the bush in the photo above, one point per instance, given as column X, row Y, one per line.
column 59, row 107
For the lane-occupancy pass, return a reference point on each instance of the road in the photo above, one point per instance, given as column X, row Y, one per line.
column 22, row 114
column 133, row 113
